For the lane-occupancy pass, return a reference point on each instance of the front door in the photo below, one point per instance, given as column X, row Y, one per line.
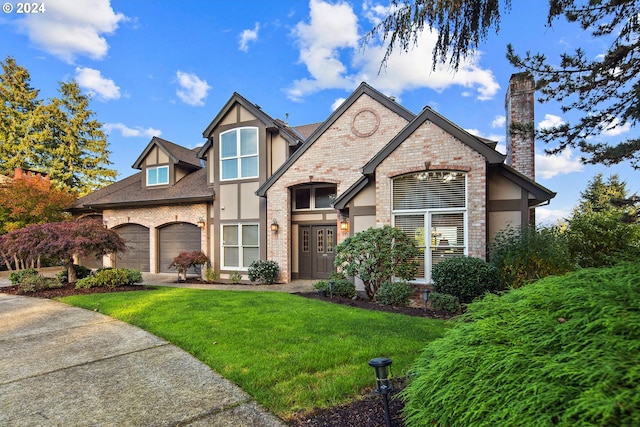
column 317, row 251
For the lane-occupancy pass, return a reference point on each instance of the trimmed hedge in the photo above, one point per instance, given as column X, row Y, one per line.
column 465, row 277
column 110, row 278
column 563, row 351
column 394, row 293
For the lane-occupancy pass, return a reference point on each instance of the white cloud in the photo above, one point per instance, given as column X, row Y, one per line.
column 128, row 132
column 550, row 121
column 192, row 90
column 70, row 28
column 561, row 164
column 329, row 47
column 338, row 102
column 95, row 84
column 551, row 216
column 498, row 122
column 614, row 128
column 248, row 36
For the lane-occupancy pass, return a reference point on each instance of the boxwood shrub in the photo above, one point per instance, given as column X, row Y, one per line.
column 444, row 302
column 110, row 278
column 562, row 351
column 394, row 293
column 341, row 286
column 465, row 277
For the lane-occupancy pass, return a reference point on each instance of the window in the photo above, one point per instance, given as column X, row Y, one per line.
column 158, row 175
column 239, row 154
column 431, row 208
column 314, row 197
column 240, row 245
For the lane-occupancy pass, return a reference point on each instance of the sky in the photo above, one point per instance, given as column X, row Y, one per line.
column 166, row 68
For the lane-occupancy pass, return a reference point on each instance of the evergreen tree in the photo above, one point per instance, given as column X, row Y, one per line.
column 77, row 154
column 21, row 119
column 61, row 138
column 603, row 90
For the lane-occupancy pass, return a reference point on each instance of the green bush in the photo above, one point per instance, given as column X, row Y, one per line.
column 598, row 239
column 35, row 283
column 110, row 278
column 524, row 255
column 211, row 275
column 394, row 293
column 465, row 277
column 444, row 302
column 264, row 271
column 562, row 351
column 235, row 277
column 341, row 286
column 81, row 273
column 376, row 255
column 18, row 276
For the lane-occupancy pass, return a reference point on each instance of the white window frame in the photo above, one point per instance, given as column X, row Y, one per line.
column 238, row 157
column 156, row 169
column 240, row 245
column 428, row 214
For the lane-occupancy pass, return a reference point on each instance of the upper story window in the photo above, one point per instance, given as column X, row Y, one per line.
column 314, row 197
column 239, row 153
column 158, row 175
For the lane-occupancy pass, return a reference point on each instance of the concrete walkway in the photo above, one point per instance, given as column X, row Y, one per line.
column 66, row 366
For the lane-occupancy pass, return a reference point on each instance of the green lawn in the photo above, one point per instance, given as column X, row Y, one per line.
column 288, row 352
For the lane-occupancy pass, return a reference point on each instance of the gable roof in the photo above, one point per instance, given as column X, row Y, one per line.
column 363, row 89
column 177, row 154
column 492, row 156
column 289, row 134
column 130, row 192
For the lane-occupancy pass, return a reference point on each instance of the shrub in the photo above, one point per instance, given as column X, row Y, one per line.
column 562, row 351
column 264, row 271
column 35, row 283
column 341, row 286
column 185, row 260
column 524, row 255
column 465, row 277
column 394, row 293
column 18, row 276
column 598, row 239
column 235, row 277
column 444, row 302
column 81, row 273
column 211, row 275
column 110, row 278
column 376, row 255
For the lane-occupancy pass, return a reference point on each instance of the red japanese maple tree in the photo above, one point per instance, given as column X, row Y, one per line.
column 61, row 241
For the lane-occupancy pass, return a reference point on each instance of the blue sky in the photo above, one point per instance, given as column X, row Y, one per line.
column 166, row 68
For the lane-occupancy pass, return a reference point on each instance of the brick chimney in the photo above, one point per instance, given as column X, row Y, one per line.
column 519, row 106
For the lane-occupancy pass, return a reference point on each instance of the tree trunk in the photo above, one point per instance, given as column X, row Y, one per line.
column 71, row 272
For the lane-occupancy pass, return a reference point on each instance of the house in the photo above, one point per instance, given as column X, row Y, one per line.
column 261, row 189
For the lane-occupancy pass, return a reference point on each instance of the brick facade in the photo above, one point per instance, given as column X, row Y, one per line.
column 335, row 157
column 154, row 217
column 430, row 148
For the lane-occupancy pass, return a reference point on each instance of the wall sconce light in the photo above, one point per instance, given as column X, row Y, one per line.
column 200, row 222
column 344, row 224
column 383, row 382
column 274, row 226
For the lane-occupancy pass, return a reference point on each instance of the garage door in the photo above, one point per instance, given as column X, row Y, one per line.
column 137, row 238
column 176, row 238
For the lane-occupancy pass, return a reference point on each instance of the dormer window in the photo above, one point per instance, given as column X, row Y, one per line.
column 158, row 175
column 239, row 153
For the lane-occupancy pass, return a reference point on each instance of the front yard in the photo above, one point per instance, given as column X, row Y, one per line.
column 291, row 354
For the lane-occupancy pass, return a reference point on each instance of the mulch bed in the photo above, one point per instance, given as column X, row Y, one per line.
column 367, row 411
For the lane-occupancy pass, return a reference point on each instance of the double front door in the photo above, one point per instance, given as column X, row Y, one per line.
column 316, row 246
